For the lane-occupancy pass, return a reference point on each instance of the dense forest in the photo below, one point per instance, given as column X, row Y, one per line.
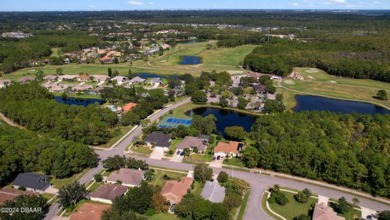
column 348, row 150
column 361, row 57
column 33, row 106
column 25, row 151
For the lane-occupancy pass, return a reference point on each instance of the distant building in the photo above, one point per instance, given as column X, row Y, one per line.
column 5, row 82
column 108, row 192
column 137, row 79
column 17, row 35
column 50, row 78
column 106, row 60
column 174, row 191
column 158, row 139
column 155, row 81
column 26, row 79
column 99, row 78
column 127, row 177
column 67, row 77
column 213, row 192
column 129, row 106
column 230, row 149
column 324, row 212
column 32, row 182
column 9, row 194
column 81, row 88
column 259, row 88
column 83, row 78
column 89, row 211
column 120, row 79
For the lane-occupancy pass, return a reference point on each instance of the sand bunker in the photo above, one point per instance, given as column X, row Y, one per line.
column 289, row 82
column 311, row 71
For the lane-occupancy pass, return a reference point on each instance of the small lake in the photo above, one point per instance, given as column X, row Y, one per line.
column 312, row 103
column 190, row 60
column 78, row 101
column 226, row 118
column 153, row 75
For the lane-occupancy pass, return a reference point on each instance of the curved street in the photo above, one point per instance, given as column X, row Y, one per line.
column 259, row 183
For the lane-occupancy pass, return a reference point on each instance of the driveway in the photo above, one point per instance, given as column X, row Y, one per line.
column 216, row 163
column 177, row 157
column 157, row 154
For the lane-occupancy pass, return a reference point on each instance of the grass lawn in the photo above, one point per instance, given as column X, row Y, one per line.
column 317, row 82
column 293, row 208
column 234, row 162
column 142, row 150
column 198, row 187
column 59, row 183
column 49, row 196
column 158, row 179
column 94, row 186
column 162, row 216
column 264, row 206
column 351, row 215
column 221, row 59
column 243, row 206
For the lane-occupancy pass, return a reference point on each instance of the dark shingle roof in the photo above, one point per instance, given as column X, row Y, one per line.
column 259, row 88
column 158, row 139
column 213, row 192
column 32, row 180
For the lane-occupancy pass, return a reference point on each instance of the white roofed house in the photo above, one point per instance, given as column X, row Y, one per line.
column 81, row 88
column 5, row 82
column 137, row 80
column 99, row 78
column 120, row 80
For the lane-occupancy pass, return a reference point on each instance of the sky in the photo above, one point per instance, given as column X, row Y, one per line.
column 92, row 5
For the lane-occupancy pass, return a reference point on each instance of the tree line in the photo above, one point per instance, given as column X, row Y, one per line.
column 351, row 150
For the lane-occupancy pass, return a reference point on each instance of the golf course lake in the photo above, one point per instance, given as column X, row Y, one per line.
column 153, row 75
column 225, row 118
column 78, row 101
column 312, row 103
column 190, row 60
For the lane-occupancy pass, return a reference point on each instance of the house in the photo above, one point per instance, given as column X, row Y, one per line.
column 276, row 78
column 137, row 79
column 8, row 194
column 127, row 177
column 5, row 82
column 25, row 79
column 50, row 78
column 213, row 192
column 119, row 79
column 174, row 191
column 89, row 211
column 259, row 88
column 58, row 88
column 129, row 106
column 255, row 75
column 231, row 149
column 106, row 60
column 158, row 139
column 155, row 81
column 192, row 142
column 32, row 182
column 99, row 78
column 67, row 77
column 108, row 192
column 324, row 212
column 165, row 46
column 81, row 88
column 83, row 77
column 114, row 53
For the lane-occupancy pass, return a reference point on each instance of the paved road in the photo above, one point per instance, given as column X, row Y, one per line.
column 259, row 183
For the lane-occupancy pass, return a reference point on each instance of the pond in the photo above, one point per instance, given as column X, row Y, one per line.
column 153, row 75
column 78, row 101
column 226, row 118
column 312, row 103
column 190, row 60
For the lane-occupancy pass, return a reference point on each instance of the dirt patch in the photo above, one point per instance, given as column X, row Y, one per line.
column 332, row 81
column 235, row 72
column 289, row 82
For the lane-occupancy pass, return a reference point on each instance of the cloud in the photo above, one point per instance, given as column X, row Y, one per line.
column 135, row 3
column 295, row 4
column 338, row 1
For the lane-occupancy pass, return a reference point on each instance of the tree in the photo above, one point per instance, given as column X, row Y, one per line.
column 129, row 73
column 205, row 125
column 25, row 201
column 223, row 102
column 130, row 118
column 223, row 177
column 98, row 177
column 71, row 194
column 236, row 133
column 250, row 156
column 384, row 215
column 159, row 203
column 59, row 71
column 343, row 206
column 202, row 172
column 117, row 214
column 39, row 75
column 114, row 163
column 109, row 72
column 149, row 175
column 242, row 102
column 272, row 106
column 302, row 217
column 198, row 97
column 138, row 199
column 382, row 95
column 186, row 152
column 303, row 197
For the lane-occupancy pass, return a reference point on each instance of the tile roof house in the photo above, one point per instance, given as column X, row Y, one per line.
column 25, row 79
column 7, row 194
column 83, row 77
column 231, row 149
column 128, row 177
column 137, row 79
column 50, row 77
column 324, row 212
column 67, row 77
column 89, row 211
column 192, row 142
column 129, row 106
column 32, row 181
column 174, row 191
column 108, row 192
column 81, row 88
column 158, row 139
column 213, row 192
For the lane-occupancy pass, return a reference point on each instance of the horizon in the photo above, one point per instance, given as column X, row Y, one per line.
column 166, row 5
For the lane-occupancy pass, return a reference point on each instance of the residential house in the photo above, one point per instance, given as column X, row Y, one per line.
column 106, row 60
column 255, row 75
column 193, row 142
column 58, row 88
column 230, row 149
column 155, row 81
column 50, row 77
column 119, row 80
column 5, row 82
column 324, row 212
column 26, row 79
column 128, row 107
column 137, row 80
column 158, row 139
column 32, row 182
column 108, row 192
column 81, row 88
column 259, row 88
column 213, row 192
column 9, row 194
column 174, row 191
column 165, row 46
column 127, row 177
column 99, row 78
column 67, row 77
column 83, row 77
column 89, row 211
